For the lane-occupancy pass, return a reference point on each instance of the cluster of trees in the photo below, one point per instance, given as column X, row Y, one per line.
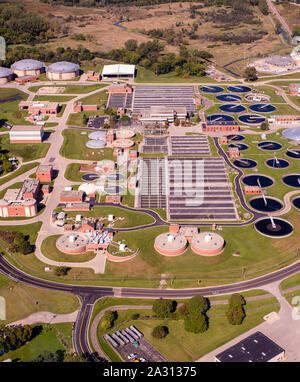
column 17, row 53
column 236, row 312
column 17, row 242
column 18, row 26
column 5, row 163
column 61, row 271
column 13, row 337
column 251, row 73
column 194, row 313
column 60, row 356
column 150, row 55
column 108, row 319
column 242, row 38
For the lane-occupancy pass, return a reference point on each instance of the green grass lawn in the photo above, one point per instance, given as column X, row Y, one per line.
column 53, row 98
column 182, row 346
column 20, row 171
column 9, row 110
column 98, row 98
column 131, row 219
column 73, row 89
column 50, row 250
column 290, row 282
column 74, row 147
column 75, row 119
column 51, row 338
column 72, row 172
column 28, row 152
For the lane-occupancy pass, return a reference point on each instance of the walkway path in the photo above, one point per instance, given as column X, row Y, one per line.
column 46, row 318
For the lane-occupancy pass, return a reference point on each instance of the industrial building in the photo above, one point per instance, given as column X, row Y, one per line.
column 80, row 243
column 71, row 196
column 284, row 120
column 28, row 67
column 162, row 114
column 26, row 134
column 120, row 88
column 21, row 202
column 5, row 75
column 62, row 70
column 92, row 76
column 79, row 107
column 44, row 173
column 38, row 108
column 255, row 348
column 118, row 71
column 220, row 127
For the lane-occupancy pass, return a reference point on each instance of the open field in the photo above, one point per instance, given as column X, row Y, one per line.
column 9, row 101
column 180, row 345
column 20, row 171
column 53, row 98
column 72, row 89
column 28, row 152
column 291, row 14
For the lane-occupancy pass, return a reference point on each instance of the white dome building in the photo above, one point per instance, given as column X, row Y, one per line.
column 28, row 67
column 5, row 75
column 62, row 70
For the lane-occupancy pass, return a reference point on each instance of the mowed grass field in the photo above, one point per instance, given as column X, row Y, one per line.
column 72, row 89
column 182, row 346
column 9, row 101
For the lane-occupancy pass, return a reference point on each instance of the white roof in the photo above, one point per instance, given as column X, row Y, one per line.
column 118, row 69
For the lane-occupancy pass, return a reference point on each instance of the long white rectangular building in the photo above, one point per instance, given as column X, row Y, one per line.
column 26, row 134
column 118, row 71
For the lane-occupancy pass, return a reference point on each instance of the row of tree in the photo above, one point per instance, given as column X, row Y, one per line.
column 13, row 337
column 17, row 242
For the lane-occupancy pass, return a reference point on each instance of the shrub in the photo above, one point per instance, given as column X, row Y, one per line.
column 162, row 308
column 198, row 304
column 196, row 322
column 160, row 332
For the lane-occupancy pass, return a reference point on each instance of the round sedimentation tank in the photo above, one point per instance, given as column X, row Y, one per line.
column 277, row 163
column 72, row 243
column 239, row 89
column 232, row 108
column 292, row 180
column 114, row 190
column 245, row 163
column 240, row 146
column 269, row 146
column 123, row 143
column 62, row 70
column 95, row 144
column 207, row 244
column 296, row 203
column 28, row 67
column 292, row 133
column 5, row 75
column 255, row 180
column 266, row 204
column 169, row 245
column 115, row 177
column 125, row 134
column 274, row 227
column 212, row 89
column 219, row 118
column 293, row 153
column 90, row 177
column 235, row 137
column 252, row 119
column 97, row 135
column 228, row 98
column 262, row 108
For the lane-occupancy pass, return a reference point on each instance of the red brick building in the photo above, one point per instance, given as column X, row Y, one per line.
column 44, row 173
column 234, row 152
column 223, row 140
column 120, row 88
column 24, row 79
column 30, row 189
column 92, row 76
column 79, row 107
column 72, row 196
column 294, row 89
column 38, row 108
column 251, row 190
column 220, row 127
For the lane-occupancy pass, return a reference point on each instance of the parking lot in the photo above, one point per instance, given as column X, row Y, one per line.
column 97, row 122
column 171, row 96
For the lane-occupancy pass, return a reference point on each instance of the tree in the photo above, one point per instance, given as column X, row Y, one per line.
column 198, row 304
column 196, row 322
column 183, row 310
column 61, row 271
column 108, row 319
column 264, row 125
column 251, row 73
column 176, row 122
column 162, row 308
column 236, row 312
column 47, row 356
column 131, row 45
column 160, row 332
column 84, row 119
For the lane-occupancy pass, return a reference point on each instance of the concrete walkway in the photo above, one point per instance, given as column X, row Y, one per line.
column 46, row 318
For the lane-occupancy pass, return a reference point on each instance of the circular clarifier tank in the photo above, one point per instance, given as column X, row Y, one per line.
column 296, row 203
column 252, row 119
column 115, row 177
column 277, row 163
column 295, row 154
column 255, row 180
column 113, row 190
column 228, row 98
column 292, row 180
column 269, row 146
column 170, row 245
column 232, row 108
column 219, row 118
column 245, row 163
column 211, row 89
column 240, row 146
column 274, row 227
column 266, row 204
column 235, row 137
column 95, row 144
column 262, row 108
column 90, row 177
column 239, row 89
column 207, row 244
